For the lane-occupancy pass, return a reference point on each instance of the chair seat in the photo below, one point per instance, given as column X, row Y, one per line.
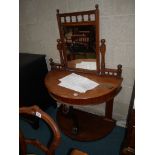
column 78, row 152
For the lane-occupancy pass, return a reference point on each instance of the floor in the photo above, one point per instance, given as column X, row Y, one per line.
column 109, row 145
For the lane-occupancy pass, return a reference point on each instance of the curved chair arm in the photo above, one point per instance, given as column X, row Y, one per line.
column 36, row 111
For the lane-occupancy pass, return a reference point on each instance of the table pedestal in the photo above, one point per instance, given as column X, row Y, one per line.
column 90, row 126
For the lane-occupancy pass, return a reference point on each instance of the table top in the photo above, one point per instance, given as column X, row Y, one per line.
column 107, row 89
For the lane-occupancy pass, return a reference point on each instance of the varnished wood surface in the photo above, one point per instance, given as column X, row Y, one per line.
column 50, row 149
column 91, row 127
column 78, row 152
column 107, row 89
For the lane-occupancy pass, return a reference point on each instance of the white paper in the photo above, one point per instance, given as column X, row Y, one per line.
column 78, row 83
column 86, row 65
column 38, row 114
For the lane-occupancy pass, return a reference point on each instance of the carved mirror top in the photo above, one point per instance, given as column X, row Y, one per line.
column 76, row 18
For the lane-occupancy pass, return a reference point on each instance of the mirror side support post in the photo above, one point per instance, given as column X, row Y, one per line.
column 97, row 37
column 60, row 49
column 119, row 70
column 102, row 50
column 59, row 21
column 61, row 42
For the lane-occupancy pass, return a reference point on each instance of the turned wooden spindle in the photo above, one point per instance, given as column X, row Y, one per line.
column 89, row 19
column 60, row 48
column 52, row 64
column 119, row 70
column 76, row 19
column 102, row 50
column 70, row 18
column 96, row 6
column 82, row 17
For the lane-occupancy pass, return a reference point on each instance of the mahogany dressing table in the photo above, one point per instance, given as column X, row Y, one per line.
column 87, row 126
column 77, row 124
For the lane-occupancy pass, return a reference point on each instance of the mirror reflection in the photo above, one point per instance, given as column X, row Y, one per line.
column 80, row 42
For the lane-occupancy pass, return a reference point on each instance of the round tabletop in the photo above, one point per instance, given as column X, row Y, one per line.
column 107, row 89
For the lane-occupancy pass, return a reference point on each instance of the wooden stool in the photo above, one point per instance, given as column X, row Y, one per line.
column 78, row 152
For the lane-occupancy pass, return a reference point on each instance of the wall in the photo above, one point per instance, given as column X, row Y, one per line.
column 39, row 31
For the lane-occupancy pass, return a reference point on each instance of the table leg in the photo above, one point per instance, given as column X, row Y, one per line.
column 68, row 111
column 109, row 109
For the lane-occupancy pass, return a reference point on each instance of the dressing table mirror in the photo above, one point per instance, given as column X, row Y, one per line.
column 79, row 40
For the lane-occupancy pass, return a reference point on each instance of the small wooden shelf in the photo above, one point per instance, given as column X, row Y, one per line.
column 82, row 23
column 91, row 127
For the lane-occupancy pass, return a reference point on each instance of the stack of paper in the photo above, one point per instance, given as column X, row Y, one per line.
column 78, row 83
column 86, row 65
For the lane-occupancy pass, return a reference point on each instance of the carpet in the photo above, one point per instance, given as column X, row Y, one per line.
column 109, row 145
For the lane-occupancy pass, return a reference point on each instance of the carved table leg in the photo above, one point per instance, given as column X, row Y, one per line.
column 68, row 111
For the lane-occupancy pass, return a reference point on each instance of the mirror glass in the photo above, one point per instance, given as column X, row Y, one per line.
column 80, row 44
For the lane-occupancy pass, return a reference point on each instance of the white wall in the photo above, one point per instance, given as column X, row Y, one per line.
column 39, row 31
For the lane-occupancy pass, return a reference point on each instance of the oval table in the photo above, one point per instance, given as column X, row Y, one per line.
column 78, row 124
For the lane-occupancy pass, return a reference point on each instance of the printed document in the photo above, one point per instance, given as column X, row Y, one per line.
column 77, row 82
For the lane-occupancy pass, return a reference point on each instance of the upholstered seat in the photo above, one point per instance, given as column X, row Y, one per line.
column 78, row 152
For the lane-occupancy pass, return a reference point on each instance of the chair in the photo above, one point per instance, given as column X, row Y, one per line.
column 36, row 111
column 78, row 152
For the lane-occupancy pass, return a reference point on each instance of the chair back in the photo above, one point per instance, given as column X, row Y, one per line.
column 36, row 111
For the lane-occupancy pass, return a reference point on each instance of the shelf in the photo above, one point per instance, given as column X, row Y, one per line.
column 91, row 127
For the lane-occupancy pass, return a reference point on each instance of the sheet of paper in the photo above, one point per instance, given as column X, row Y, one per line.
column 71, row 86
column 86, row 65
column 78, row 83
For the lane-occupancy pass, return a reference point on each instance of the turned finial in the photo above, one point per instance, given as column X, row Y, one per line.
column 102, row 41
column 57, row 11
column 59, row 45
column 119, row 68
column 51, row 61
column 58, row 40
column 96, row 6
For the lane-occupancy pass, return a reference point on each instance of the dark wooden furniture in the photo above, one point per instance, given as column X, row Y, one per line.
column 32, row 71
column 84, row 124
column 128, row 145
column 36, row 111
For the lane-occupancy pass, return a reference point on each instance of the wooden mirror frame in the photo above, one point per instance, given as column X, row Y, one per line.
column 100, row 47
column 61, row 46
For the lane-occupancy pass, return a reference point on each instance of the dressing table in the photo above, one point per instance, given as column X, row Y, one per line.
column 81, row 30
